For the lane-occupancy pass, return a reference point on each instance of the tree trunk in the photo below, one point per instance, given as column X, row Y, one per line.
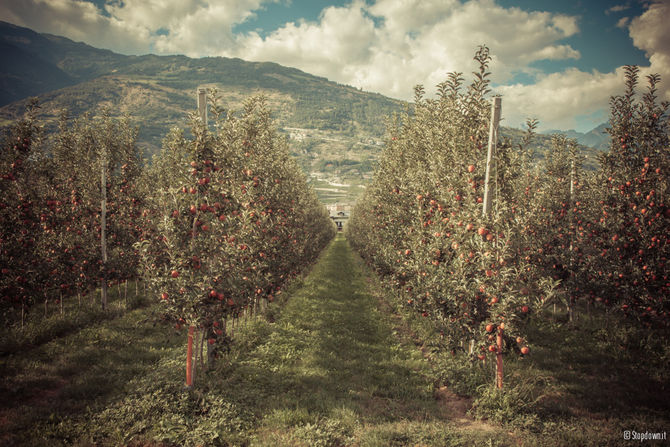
column 571, row 309
column 189, row 357
column 499, row 360
column 210, row 354
column 202, row 343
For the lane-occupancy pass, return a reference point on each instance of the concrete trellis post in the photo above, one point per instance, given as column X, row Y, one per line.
column 202, row 104
column 103, row 226
column 496, row 107
column 571, row 207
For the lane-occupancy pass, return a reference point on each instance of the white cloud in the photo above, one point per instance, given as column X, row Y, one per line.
column 623, row 22
column 412, row 15
column 194, row 27
column 617, row 8
column 394, row 44
column 387, row 46
column 650, row 33
column 337, row 44
column 560, row 100
column 78, row 20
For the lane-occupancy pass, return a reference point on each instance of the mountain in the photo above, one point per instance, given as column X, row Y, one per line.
column 23, row 74
column 335, row 131
column 541, row 144
column 596, row 138
column 77, row 69
column 34, row 63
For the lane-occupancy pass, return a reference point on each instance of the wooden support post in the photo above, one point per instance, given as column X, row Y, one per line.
column 499, row 360
column 496, row 107
column 202, row 105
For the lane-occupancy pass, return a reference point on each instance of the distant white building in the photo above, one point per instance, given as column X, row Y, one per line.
column 339, row 213
column 295, row 133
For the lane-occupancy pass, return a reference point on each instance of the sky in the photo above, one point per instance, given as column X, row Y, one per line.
column 556, row 61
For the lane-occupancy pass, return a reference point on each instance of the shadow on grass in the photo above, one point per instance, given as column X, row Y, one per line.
column 332, row 352
column 606, row 368
column 78, row 372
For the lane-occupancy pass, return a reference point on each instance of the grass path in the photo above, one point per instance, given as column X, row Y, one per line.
column 335, row 368
column 332, row 372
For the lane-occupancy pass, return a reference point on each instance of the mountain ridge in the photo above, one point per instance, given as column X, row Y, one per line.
column 597, row 138
column 335, row 131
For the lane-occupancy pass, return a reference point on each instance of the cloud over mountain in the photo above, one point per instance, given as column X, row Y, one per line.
column 386, row 46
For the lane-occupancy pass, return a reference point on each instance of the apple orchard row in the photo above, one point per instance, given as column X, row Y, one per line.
column 214, row 225
column 557, row 235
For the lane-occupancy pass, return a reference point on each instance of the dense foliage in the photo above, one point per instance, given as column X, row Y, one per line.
column 634, row 239
column 234, row 220
column 216, row 224
column 21, row 262
column 420, row 223
column 52, row 216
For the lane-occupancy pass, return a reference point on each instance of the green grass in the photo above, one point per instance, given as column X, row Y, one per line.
column 42, row 325
column 329, row 371
column 585, row 382
column 82, row 370
column 335, row 365
column 331, row 365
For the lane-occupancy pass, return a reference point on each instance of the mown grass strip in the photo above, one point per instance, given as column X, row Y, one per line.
column 328, row 372
column 332, row 372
